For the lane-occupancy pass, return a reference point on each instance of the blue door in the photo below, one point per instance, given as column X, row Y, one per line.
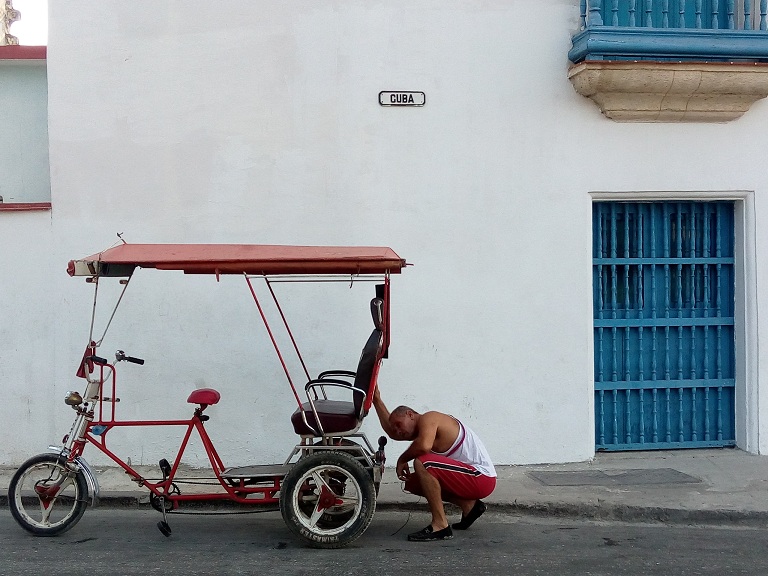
column 663, row 298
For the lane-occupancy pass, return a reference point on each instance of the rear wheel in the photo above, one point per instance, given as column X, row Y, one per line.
column 47, row 498
column 328, row 499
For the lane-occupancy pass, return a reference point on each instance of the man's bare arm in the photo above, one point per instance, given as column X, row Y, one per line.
column 382, row 412
column 423, row 443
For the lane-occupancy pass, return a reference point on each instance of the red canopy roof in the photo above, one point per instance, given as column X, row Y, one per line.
column 238, row 259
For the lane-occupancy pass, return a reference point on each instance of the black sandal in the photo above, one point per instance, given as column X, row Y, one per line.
column 429, row 535
column 466, row 521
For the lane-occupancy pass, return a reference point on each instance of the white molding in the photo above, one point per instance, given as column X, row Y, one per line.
column 748, row 429
column 668, row 195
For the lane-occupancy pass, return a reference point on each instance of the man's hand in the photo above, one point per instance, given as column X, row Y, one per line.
column 403, row 471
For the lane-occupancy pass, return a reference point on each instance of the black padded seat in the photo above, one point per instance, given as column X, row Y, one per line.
column 336, row 416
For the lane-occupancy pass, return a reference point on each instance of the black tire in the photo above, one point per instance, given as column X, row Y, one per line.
column 60, row 509
column 324, row 475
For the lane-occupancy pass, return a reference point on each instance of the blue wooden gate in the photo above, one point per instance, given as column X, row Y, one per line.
column 663, row 277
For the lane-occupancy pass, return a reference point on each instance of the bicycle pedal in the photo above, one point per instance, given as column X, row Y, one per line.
column 164, row 528
column 165, row 468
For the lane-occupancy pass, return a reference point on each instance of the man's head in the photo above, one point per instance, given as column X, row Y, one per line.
column 404, row 423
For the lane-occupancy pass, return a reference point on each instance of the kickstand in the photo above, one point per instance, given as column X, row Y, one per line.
column 163, row 525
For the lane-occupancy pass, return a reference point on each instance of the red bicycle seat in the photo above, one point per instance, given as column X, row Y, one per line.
column 204, row 396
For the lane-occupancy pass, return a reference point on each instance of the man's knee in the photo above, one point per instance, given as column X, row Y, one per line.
column 413, row 483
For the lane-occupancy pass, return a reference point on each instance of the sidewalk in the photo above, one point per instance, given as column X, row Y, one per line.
column 703, row 486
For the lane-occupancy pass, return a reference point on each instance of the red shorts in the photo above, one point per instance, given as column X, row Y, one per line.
column 456, row 478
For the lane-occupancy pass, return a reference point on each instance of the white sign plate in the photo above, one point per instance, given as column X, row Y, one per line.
column 402, row 98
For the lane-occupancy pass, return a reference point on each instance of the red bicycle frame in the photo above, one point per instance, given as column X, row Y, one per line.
column 96, row 431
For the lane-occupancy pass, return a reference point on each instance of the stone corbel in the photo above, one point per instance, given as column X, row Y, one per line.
column 645, row 91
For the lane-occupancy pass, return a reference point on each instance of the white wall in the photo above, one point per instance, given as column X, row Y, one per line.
column 260, row 123
column 27, row 336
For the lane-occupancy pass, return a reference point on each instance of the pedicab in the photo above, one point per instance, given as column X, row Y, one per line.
column 327, row 486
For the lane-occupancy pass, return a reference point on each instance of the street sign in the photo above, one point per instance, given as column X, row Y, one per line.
column 402, row 98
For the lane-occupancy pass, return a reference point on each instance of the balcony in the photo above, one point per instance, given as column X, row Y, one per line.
column 672, row 60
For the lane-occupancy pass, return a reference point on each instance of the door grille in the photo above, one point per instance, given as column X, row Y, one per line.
column 663, row 289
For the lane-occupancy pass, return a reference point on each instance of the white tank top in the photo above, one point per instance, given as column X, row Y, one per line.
column 469, row 449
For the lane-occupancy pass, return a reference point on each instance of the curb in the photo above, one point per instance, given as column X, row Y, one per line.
column 631, row 513
column 611, row 512
column 604, row 511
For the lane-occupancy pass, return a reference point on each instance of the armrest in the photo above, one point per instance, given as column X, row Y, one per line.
column 312, row 384
column 321, row 382
column 346, row 373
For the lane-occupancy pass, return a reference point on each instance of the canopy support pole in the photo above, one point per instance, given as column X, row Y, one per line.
column 287, row 328
column 272, row 338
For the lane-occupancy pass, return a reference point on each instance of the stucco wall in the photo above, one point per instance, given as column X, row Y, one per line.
column 260, row 123
column 27, row 336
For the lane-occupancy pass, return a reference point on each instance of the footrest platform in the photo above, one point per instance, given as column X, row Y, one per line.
column 265, row 471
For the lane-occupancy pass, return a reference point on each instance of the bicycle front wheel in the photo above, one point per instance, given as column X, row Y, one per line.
column 47, row 498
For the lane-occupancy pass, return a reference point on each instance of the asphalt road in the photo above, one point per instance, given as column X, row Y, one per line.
column 127, row 542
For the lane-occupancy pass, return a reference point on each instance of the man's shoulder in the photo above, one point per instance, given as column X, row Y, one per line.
column 436, row 416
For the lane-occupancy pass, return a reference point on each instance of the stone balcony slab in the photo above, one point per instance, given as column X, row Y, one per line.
column 646, row 91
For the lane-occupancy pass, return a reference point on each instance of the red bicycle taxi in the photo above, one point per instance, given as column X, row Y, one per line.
column 327, row 486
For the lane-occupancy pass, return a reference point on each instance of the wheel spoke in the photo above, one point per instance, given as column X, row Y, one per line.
column 320, row 481
column 346, row 501
column 47, row 504
column 45, row 514
column 317, row 513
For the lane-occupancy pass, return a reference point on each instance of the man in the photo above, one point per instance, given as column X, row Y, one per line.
column 450, row 464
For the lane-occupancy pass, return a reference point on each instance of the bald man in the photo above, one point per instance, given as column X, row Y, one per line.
column 450, row 463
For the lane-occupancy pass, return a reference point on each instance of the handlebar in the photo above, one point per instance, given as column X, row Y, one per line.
column 120, row 355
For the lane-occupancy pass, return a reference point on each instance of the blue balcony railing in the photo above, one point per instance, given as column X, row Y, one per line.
column 677, row 30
